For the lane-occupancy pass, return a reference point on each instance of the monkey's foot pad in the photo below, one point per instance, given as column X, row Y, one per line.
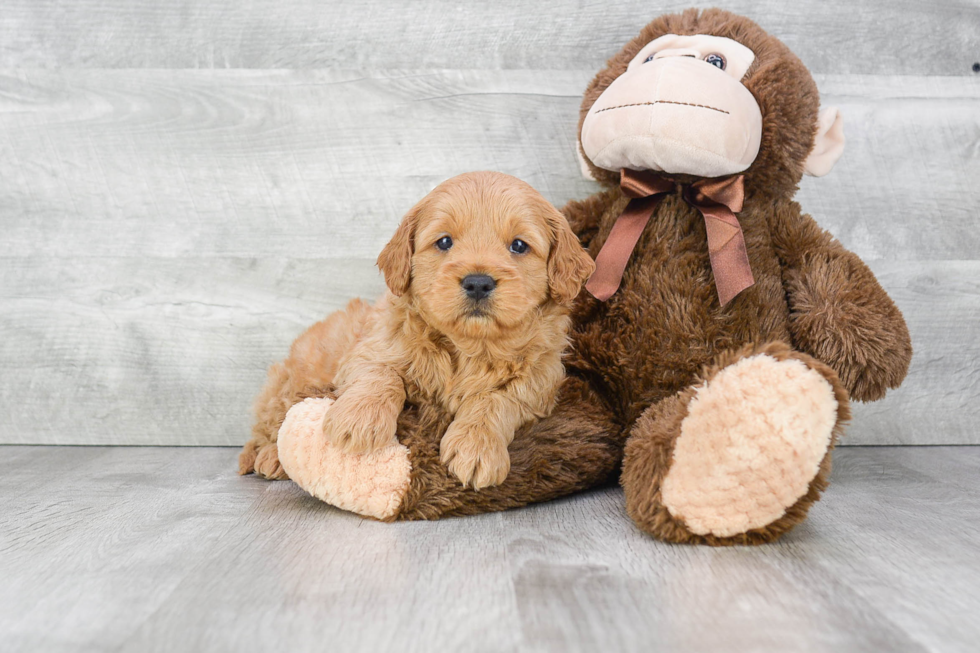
column 372, row 484
column 753, row 440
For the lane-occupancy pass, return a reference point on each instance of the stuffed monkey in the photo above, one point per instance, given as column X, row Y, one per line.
column 723, row 334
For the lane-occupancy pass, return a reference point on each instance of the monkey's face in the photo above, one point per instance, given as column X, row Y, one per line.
column 679, row 108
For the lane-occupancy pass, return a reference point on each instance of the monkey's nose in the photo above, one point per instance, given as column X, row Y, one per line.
column 478, row 286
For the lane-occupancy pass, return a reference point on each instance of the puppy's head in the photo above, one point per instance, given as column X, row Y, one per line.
column 480, row 253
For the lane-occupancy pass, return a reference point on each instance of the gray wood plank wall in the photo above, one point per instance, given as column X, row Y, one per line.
column 185, row 186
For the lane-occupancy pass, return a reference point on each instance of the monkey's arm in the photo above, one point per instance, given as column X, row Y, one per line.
column 578, row 446
column 839, row 313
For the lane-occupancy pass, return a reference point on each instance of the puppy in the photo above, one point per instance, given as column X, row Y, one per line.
column 480, row 274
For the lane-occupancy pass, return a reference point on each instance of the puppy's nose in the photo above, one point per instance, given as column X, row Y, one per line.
column 478, row 286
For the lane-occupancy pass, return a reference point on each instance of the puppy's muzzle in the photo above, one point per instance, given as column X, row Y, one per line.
column 478, row 286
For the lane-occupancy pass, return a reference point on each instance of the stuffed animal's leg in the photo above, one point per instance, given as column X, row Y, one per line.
column 740, row 457
column 576, row 447
column 372, row 484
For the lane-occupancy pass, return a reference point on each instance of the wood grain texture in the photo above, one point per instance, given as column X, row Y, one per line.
column 166, row 234
column 245, row 163
column 905, row 187
column 831, row 36
column 941, row 304
column 165, row 549
column 172, row 351
column 102, row 537
column 153, row 351
column 317, row 164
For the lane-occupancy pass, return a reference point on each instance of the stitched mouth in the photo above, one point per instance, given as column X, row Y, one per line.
column 645, row 104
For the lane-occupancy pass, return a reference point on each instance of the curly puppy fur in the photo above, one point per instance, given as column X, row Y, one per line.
column 636, row 360
column 493, row 363
column 663, row 333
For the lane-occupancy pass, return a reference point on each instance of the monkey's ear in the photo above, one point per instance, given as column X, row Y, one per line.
column 395, row 260
column 569, row 265
column 828, row 145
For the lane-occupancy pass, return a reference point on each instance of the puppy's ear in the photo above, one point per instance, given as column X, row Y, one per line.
column 569, row 265
column 395, row 260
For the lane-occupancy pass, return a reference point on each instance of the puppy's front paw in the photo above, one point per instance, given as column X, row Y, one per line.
column 475, row 456
column 359, row 423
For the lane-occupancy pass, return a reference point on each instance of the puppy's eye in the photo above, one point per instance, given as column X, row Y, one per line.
column 650, row 58
column 518, row 246
column 444, row 243
column 716, row 60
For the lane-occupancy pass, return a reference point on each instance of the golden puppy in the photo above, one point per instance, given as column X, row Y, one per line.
column 480, row 274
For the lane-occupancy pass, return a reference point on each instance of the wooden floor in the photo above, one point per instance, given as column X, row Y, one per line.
column 166, row 549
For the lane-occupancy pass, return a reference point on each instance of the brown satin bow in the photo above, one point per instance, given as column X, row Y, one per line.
column 718, row 200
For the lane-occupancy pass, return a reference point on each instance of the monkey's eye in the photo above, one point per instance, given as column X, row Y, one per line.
column 444, row 243
column 650, row 58
column 716, row 60
column 518, row 246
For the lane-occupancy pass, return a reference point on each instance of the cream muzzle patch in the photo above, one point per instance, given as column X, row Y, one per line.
column 679, row 108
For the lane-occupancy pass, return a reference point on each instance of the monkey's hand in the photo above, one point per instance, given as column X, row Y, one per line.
column 838, row 312
column 841, row 315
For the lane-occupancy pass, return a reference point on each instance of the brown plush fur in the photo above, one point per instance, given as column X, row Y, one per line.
column 810, row 295
column 493, row 364
column 651, row 443
column 780, row 83
column 634, row 359
column 573, row 449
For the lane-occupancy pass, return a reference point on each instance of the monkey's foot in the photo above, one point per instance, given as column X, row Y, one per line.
column 370, row 484
column 750, row 446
